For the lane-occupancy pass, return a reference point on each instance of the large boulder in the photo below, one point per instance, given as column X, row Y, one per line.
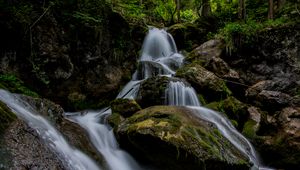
column 124, row 107
column 152, row 91
column 280, row 147
column 25, row 150
column 208, row 50
column 234, row 109
column 263, row 95
column 204, row 81
column 170, row 137
column 18, row 137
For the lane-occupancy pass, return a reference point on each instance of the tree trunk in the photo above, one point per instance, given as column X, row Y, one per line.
column 206, row 10
column 271, row 9
column 242, row 10
column 178, row 10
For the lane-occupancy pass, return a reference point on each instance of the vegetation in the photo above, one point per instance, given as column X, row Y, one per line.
column 15, row 85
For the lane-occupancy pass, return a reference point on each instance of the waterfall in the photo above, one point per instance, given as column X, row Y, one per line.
column 179, row 94
column 72, row 158
column 159, row 57
column 103, row 139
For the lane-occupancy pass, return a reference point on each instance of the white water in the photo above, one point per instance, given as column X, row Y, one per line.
column 159, row 58
column 179, row 94
column 72, row 158
column 103, row 139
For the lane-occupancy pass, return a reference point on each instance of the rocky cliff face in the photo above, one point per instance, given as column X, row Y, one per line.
column 74, row 53
column 264, row 76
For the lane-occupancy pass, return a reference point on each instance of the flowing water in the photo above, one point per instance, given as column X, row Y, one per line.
column 159, row 58
column 71, row 157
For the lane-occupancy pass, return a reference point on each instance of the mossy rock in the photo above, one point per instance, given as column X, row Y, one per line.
column 204, row 81
column 125, row 107
column 186, row 35
column 249, row 129
column 233, row 108
column 152, row 91
column 181, row 140
column 6, row 117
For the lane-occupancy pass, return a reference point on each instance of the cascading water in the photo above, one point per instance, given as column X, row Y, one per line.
column 159, row 58
column 103, row 139
column 72, row 158
column 179, row 94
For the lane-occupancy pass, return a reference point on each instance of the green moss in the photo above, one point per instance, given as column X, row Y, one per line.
column 249, row 129
column 114, row 119
column 125, row 107
column 201, row 99
column 215, row 106
column 234, row 123
column 6, row 117
column 13, row 84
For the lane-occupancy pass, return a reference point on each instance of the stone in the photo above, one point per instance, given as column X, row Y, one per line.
column 124, row 107
column 281, row 149
column 205, row 52
column 171, row 137
column 152, row 91
column 267, row 99
column 252, row 125
column 204, row 82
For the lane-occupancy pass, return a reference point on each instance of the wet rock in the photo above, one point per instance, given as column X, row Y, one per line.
column 218, row 66
column 204, row 82
column 205, row 52
column 74, row 134
column 26, row 150
column 281, row 149
column 152, row 91
column 171, row 137
column 268, row 99
column 252, row 125
column 124, row 107
column 234, row 109
column 273, row 98
column 6, row 117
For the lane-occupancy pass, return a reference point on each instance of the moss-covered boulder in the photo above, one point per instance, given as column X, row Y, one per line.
column 124, row 107
column 235, row 110
column 170, row 137
column 152, row 91
column 204, row 81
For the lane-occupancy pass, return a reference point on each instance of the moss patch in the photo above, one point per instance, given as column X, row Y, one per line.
column 125, row 107
column 249, row 129
column 13, row 84
column 6, row 117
